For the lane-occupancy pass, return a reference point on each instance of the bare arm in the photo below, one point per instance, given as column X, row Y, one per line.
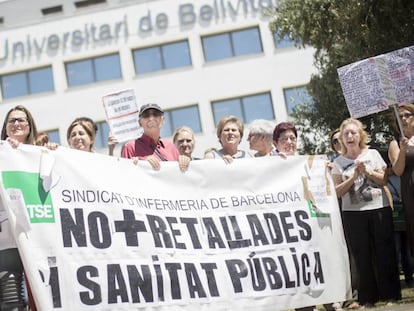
column 397, row 155
column 342, row 187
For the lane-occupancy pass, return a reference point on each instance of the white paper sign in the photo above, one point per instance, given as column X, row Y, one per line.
column 122, row 115
column 373, row 84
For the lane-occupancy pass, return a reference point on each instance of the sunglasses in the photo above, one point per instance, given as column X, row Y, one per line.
column 147, row 114
column 335, row 141
column 406, row 115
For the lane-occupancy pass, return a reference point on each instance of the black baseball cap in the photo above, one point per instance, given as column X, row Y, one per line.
column 149, row 106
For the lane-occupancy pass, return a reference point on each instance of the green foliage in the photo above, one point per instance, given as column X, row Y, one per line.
column 341, row 32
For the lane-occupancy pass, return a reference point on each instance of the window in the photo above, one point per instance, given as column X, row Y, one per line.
column 285, row 42
column 296, row 96
column 175, row 118
column 232, row 44
column 246, row 108
column 166, row 56
column 52, row 10
column 92, row 70
column 85, row 3
column 102, row 134
column 27, row 82
column 54, row 136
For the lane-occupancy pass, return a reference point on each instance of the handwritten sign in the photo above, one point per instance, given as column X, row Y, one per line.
column 373, row 84
column 122, row 115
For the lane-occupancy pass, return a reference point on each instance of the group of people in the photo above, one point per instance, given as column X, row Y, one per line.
column 358, row 173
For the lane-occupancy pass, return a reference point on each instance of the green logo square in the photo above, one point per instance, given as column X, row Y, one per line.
column 38, row 202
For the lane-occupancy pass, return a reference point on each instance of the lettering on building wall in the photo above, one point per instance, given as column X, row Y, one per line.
column 91, row 34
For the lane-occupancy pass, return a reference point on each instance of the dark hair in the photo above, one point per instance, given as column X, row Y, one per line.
column 281, row 127
column 31, row 138
column 335, row 131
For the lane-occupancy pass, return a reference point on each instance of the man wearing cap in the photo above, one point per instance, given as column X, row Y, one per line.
column 150, row 146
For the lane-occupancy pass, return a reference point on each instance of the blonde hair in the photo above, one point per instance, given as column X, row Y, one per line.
column 229, row 119
column 182, row 129
column 361, row 131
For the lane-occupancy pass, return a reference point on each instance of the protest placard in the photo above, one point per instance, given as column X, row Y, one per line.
column 373, row 84
column 122, row 115
column 217, row 237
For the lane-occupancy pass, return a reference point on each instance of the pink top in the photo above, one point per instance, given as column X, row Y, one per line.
column 144, row 147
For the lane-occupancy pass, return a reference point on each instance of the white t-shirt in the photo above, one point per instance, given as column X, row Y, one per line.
column 364, row 194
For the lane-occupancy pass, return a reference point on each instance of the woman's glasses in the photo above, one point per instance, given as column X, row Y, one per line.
column 406, row 115
column 18, row 120
column 287, row 138
column 335, row 141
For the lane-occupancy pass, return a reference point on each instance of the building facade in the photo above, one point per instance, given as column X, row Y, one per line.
column 199, row 60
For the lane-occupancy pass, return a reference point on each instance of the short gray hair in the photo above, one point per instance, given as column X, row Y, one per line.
column 262, row 127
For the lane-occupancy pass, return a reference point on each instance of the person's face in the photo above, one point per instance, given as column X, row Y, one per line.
column 255, row 141
column 79, row 139
column 17, row 126
column 230, row 134
column 407, row 119
column 185, row 143
column 351, row 136
column 335, row 142
column 151, row 120
column 287, row 142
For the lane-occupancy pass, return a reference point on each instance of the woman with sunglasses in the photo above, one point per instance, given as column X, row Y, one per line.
column 401, row 155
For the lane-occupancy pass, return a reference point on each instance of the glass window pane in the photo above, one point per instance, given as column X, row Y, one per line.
column 147, row 60
column 258, row 107
column 101, row 139
column 107, row 67
column 54, row 136
column 80, row 72
column 167, row 130
column 227, row 107
column 296, row 96
column 247, row 42
column 176, row 55
column 41, row 80
column 188, row 116
column 217, row 47
column 14, row 85
column 285, row 42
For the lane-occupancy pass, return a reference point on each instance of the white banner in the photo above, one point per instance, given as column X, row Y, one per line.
column 101, row 233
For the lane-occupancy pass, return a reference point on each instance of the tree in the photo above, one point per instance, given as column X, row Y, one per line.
column 341, row 32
